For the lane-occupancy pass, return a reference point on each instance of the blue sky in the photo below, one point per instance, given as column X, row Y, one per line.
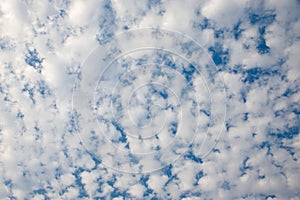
column 149, row 99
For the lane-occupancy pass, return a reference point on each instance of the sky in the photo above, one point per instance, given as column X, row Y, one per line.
column 157, row 99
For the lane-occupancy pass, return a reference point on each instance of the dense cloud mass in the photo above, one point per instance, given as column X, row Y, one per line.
column 149, row 99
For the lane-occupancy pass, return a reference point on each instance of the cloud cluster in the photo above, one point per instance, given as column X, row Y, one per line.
column 43, row 51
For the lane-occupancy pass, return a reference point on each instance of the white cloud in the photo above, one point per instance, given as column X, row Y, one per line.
column 222, row 12
column 156, row 182
column 258, row 154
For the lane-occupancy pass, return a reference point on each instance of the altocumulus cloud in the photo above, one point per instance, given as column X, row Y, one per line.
column 149, row 100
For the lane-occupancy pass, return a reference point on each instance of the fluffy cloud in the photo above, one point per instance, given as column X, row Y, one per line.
column 253, row 153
